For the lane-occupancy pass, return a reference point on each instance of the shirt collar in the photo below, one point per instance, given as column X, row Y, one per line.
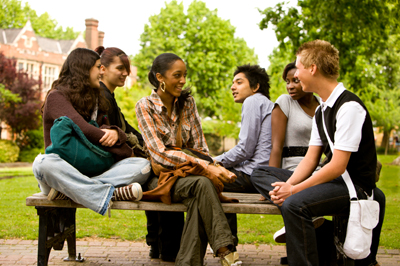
column 159, row 105
column 339, row 89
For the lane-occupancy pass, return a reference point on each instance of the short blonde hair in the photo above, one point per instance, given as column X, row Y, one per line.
column 322, row 54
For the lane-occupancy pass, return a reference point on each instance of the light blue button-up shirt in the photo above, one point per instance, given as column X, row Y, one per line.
column 254, row 147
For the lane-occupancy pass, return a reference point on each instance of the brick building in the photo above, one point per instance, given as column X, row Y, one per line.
column 42, row 58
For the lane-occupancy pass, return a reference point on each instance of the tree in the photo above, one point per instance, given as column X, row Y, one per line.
column 381, row 93
column 354, row 27
column 14, row 15
column 365, row 33
column 21, row 111
column 207, row 45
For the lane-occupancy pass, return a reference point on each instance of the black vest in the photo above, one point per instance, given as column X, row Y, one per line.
column 362, row 164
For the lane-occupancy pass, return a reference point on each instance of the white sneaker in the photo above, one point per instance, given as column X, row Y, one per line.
column 232, row 259
column 132, row 192
column 280, row 235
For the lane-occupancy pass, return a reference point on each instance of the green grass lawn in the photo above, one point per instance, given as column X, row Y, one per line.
column 20, row 221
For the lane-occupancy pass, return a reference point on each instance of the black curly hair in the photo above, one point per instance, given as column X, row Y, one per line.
column 256, row 75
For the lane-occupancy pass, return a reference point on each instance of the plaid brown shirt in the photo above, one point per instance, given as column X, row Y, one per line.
column 159, row 130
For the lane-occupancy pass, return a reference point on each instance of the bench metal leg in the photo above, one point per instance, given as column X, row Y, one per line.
column 56, row 225
column 340, row 228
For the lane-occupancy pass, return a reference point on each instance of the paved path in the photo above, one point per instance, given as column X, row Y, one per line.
column 100, row 252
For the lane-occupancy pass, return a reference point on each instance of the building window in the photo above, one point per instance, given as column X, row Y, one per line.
column 49, row 76
column 20, row 66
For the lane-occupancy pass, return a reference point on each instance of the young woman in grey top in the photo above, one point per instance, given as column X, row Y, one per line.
column 291, row 123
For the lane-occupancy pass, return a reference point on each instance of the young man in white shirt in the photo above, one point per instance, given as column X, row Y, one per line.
column 306, row 194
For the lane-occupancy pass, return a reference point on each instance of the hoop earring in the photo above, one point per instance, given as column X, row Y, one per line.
column 162, row 87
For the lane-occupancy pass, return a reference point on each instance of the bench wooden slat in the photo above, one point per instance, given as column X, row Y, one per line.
column 248, row 203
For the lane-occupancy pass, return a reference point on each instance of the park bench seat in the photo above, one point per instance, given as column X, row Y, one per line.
column 57, row 218
column 57, row 221
column 248, row 203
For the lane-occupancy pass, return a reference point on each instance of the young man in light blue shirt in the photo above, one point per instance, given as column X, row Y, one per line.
column 250, row 86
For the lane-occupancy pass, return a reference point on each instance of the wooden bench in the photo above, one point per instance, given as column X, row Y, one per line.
column 57, row 221
column 57, row 218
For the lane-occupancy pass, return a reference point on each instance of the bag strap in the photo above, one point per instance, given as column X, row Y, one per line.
column 345, row 175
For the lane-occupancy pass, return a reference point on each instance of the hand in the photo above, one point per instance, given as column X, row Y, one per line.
column 281, row 192
column 109, row 138
column 223, row 175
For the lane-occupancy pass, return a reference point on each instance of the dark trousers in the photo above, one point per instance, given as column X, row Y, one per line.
column 205, row 220
column 164, row 231
column 320, row 200
column 242, row 184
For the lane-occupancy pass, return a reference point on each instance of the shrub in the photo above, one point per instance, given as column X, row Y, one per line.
column 9, row 151
column 29, row 155
column 391, row 151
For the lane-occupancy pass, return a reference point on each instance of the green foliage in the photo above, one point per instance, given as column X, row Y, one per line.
column 31, row 145
column 390, row 151
column 29, row 155
column 279, row 58
column 354, row 27
column 8, row 151
column 33, row 139
column 127, row 99
column 205, row 42
column 14, row 15
column 7, row 97
column 366, row 33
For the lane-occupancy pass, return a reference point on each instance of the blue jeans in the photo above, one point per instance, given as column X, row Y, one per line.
column 92, row 192
column 320, row 200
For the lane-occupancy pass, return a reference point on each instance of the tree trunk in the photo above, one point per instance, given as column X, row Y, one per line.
column 385, row 141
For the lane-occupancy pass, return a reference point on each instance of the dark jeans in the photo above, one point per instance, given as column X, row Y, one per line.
column 242, row 184
column 320, row 200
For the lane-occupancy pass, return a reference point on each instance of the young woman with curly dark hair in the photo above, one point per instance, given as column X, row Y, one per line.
column 76, row 94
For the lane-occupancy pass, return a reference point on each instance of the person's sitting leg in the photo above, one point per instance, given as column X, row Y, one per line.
column 263, row 177
column 125, row 172
column 242, row 184
column 298, row 211
column 164, row 230
column 205, row 220
column 53, row 172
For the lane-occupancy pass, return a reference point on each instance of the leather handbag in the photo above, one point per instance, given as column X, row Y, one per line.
column 69, row 142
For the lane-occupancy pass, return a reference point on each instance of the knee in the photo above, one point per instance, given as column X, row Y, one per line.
column 258, row 175
column 204, row 183
column 42, row 164
column 290, row 206
column 142, row 165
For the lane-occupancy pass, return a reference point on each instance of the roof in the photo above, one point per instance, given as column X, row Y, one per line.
column 8, row 36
